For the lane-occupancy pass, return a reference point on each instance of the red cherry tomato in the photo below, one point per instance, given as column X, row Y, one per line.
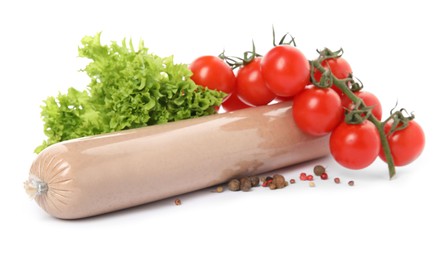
column 317, row 111
column 283, row 99
column 250, row 85
column 214, row 73
column 369, row 99
column 285, row 70
column 406, row 144
column 233, row 103
column 339, row 67
column 355, row 146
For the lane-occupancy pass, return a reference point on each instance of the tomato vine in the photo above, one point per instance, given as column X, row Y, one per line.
column 360, row 112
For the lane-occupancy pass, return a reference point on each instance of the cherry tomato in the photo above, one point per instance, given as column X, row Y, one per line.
column 214, row 73
column 406, row 144
column 369, row 99
column 339, row 67
column 250, row 85
column 233, row 103
column 317, row 111
column 285, row 70
column 283, row 99
column 355, row 146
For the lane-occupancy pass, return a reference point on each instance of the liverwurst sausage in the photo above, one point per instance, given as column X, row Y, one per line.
column 104, row 173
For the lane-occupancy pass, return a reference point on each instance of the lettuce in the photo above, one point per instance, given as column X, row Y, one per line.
column 129, row 88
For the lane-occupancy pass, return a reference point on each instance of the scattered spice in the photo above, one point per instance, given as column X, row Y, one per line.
column 268, row 180
column 351, row 183
column 272, row 186
column 324, row 176
column 292, row 181
column 311, row 184
column 254, row 181
column 266, row 183
column 245, row 184
column 319, row 170
column 303, row 176
column 274, row 182
column 178, row 202
column 234, row 185
column 310, row 177
column 279, row 181
column 337, row 180
column 219, row 189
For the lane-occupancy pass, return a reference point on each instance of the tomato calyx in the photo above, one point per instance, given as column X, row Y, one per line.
column 235, row 62
column 399, row 120
column 359, row 113
column 282, row 40
column 326, row 53
column 355, row 86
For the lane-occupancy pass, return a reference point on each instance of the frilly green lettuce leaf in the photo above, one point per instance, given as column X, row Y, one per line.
column 128, row 89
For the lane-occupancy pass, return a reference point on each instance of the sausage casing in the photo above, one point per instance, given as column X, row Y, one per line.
column 99, row 174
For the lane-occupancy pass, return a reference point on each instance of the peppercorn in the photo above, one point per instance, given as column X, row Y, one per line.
column 178, row 202
column 245, row 184
column 311, row 184
column 310, row 177
column 351, row 183
column 234, row 185
column 219, row 189
column 337, row 180
column 324, row 176
column 279, row 181
column 272, row 186
column 303, row 176
column 254, row 181
column 319, row 170
column 292, row 181
column 268, row 180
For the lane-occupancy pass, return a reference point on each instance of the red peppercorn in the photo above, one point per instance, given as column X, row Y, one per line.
column 267, row 182
column 292, row 181
column 303, row 176
column 324, row 176
column 310, row 177
column 337, row 180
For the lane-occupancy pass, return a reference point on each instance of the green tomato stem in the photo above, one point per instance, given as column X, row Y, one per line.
column 342, row 85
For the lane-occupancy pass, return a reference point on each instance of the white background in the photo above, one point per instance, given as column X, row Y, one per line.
column 395, row 48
